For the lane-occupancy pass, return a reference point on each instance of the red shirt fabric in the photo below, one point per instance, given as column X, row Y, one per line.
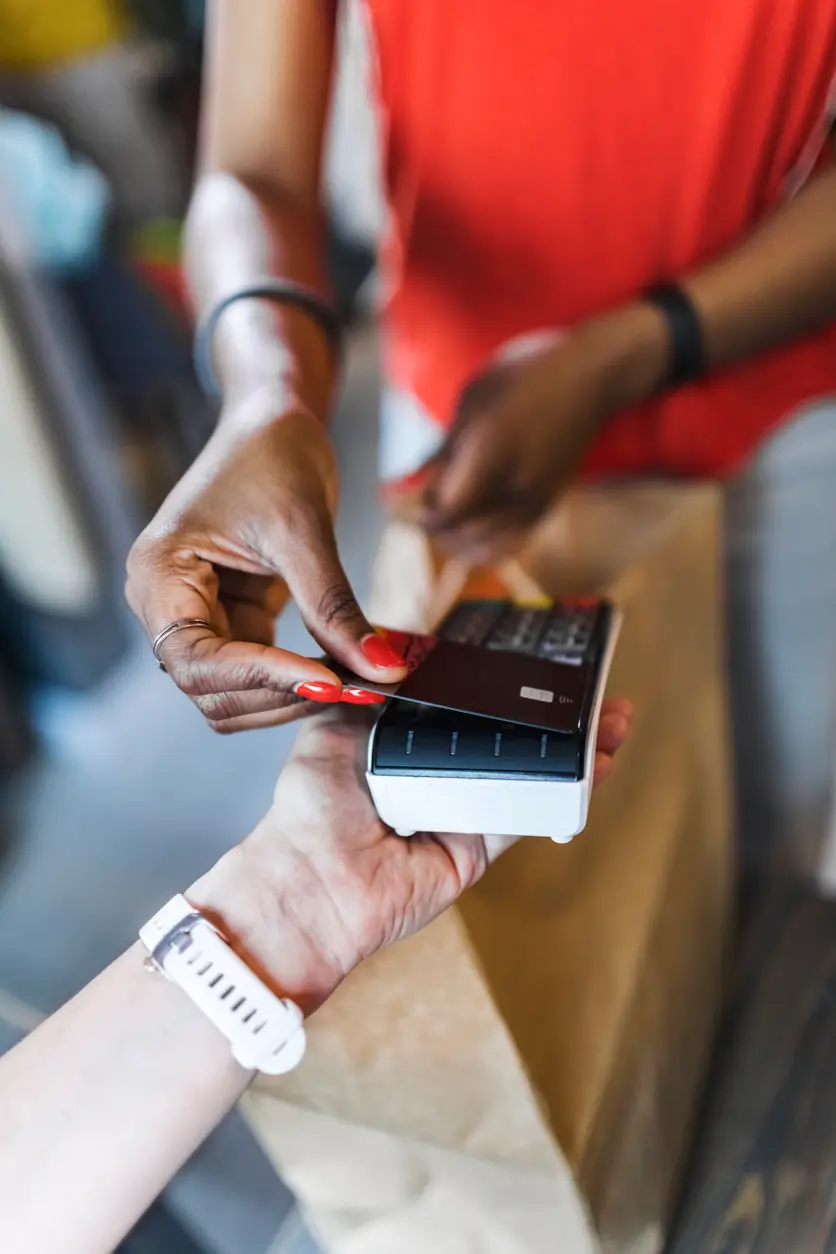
column 546, row 160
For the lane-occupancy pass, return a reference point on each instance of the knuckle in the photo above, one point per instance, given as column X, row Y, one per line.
column 471, row 866
column 153, row 551
column 194, row 672
column 131, row 596
column 135, row 557
column 219, row 706
column 250, row 674
column 190, row 679
column 143, row 555
column 476, row 865
column 337, row 606
column 194, row 675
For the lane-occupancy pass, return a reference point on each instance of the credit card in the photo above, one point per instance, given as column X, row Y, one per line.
column 472, row 679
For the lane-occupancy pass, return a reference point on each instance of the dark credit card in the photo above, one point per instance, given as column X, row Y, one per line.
column 472, row 679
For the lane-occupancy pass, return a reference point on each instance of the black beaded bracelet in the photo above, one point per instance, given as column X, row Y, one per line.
column 687, row 358
column 284, row 292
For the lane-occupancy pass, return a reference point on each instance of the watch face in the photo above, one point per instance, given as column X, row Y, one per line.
column 473, row 679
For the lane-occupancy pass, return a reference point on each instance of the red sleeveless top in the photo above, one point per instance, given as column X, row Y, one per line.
column 546, row 160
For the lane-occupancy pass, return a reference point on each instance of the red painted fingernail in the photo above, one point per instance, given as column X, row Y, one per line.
column 380, row 653
column 359, row 696
column 316, row 690
column 416, row 479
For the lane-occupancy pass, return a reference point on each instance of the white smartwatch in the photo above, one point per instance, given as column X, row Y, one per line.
column 265, row 1031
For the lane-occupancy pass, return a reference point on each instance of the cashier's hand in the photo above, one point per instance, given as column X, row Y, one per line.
column 523, row 427
column 248, row 526
column 322, row 884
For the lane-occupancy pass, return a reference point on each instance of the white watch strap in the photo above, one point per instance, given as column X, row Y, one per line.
column 265, row 1031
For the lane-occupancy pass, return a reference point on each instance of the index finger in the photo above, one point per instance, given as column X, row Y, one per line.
column 201, row 664
column 204, row 660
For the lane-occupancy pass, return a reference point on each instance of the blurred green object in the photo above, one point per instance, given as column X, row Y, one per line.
column 158, row 242
column 155, row 255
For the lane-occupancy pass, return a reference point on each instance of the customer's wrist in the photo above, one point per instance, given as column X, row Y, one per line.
column 257, row 401
column 267, row 358
column 277, row 915
column 631, row 348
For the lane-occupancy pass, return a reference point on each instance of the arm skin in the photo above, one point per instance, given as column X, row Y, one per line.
column 256, row 209
column 103, row 1103
column 522, row 430
column 251, row 522
column 778, row 285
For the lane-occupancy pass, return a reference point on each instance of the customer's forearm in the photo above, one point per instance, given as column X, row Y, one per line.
column 101, row 1105
column 776, row 286
column 104, row 1102
column 237, row 235
column 771, row 289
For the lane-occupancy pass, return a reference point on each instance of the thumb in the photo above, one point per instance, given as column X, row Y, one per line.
column 318, row 584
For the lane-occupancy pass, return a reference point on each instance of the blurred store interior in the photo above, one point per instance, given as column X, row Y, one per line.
column 100, row 415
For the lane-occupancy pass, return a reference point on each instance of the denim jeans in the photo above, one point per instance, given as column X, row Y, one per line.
column 781, row 606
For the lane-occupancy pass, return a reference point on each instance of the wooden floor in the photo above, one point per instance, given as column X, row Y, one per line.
column 763, row 1176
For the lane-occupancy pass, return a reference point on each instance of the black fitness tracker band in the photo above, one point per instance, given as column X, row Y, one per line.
column 283, row 292
column 687, row 355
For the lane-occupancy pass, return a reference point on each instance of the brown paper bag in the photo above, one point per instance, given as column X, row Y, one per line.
column 521, row 1078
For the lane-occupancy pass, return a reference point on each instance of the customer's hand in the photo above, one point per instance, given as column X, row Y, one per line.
column 250, row 523
column 524, row 425
column 322, row 883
